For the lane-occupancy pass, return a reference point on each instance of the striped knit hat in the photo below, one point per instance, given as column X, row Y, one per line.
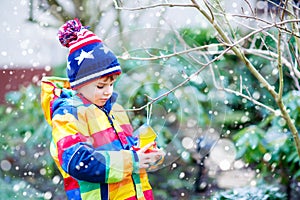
column 89, row 58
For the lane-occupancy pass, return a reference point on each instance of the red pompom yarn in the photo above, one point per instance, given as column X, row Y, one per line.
column 68, row 32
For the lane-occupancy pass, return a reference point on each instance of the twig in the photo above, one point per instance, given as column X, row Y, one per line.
column 274, row 24
column 152, row 6
column 128, row 57
column 240, row 94
column 279, row 67
column 180, row 84
column 250, row 7
column 275, row 56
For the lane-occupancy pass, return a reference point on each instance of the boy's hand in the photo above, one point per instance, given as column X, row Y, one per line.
column 147, row 158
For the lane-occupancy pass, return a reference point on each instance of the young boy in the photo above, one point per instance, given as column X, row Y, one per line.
column 92, row 136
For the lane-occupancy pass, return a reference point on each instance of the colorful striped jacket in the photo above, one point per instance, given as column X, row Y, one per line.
column 92, row 146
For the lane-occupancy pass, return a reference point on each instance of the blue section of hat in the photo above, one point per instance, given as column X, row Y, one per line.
column 89, row 60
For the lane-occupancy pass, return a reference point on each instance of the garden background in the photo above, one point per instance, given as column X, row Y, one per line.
column 222, row 79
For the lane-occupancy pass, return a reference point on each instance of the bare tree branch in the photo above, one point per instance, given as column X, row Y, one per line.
column 118, row 6
column 155, row 57
column 234, row 45
column 240, row 94
column 58, row 11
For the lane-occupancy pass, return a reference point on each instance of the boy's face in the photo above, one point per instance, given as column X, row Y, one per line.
column 98, row 91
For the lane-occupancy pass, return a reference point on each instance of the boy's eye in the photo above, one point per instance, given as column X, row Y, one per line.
column 102, row 86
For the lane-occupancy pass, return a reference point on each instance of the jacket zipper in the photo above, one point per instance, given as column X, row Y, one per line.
column 112, row 125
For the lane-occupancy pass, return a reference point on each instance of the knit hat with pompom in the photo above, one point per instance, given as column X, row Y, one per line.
column 89, row 58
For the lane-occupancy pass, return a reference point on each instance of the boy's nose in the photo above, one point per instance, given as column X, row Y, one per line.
column 107, row 91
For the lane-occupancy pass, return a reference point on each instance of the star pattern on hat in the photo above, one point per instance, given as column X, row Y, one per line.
column 69, row 65
column 105, row 49
column 83, row 55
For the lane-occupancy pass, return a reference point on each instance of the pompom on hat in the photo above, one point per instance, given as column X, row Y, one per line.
column 89, row 58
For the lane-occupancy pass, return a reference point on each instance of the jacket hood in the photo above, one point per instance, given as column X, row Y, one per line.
column 55, row 92
column 53, row 88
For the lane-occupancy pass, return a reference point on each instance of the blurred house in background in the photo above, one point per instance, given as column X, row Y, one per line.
column 12, row 79
column 27, row 51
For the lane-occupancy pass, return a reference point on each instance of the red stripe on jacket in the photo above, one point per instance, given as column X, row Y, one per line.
column 148, row 194
column 70, row 183
column 111, row 136
column 68, row 141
